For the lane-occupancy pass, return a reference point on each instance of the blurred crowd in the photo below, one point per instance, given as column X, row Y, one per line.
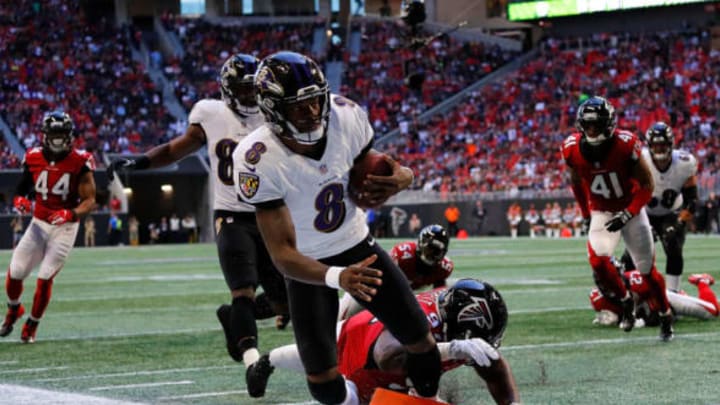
column 208, row 46
column 503, row 137
column 506, row 136
column 53, row 56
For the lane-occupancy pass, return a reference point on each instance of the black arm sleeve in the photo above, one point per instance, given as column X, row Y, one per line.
column 690, row 196
column 25, row 186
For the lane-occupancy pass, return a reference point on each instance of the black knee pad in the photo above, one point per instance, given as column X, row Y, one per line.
column 242, row 321
column 330, row 392
column 424, row 371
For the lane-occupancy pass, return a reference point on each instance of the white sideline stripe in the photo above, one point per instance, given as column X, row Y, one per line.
column 33, row 370
column 265, row 325
column 203, row 395
column 136, row 373
column 551, row 309
column 300, row 403
column 9, row 362
column 604, row 341
column 19, row 395
column 144, row 385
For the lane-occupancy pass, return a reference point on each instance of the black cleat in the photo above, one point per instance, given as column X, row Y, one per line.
column 666, row 328
column 223, row 314
column 14, row 313
column 628, row 314
column 257, row 376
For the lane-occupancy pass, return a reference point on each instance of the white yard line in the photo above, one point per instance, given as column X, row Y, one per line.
column 202, row 395
column 623, row 340
column 32, row 370
column 143, row 385
column 19, row 395
column 136, row 373
column 3, row 363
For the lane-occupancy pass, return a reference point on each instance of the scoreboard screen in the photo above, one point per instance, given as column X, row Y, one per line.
column 533, row 10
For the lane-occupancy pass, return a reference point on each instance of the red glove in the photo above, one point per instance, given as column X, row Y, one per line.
column 60, row 217
column 22, row 204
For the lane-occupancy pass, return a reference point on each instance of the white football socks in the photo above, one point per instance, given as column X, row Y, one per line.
column 672, row 282
column 250, row 357
column 287, row 357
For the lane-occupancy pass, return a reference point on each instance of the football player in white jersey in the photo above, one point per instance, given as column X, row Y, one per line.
column 295, row 170
column 673, row 202
column 221, row 125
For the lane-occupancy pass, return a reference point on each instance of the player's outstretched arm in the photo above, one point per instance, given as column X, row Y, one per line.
column 500, row 382
column 278, row 232
column 162, row 155
column 86, row 191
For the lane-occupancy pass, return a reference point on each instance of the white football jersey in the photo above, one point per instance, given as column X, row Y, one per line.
column 667, row 196
column 327, row 222
column 224, row 130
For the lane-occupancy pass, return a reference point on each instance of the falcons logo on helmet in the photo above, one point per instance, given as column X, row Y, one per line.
column 478, row 312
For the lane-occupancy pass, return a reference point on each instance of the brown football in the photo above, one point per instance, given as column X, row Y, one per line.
column 372, row 163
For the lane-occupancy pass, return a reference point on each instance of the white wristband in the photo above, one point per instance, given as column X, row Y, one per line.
column 332, row 276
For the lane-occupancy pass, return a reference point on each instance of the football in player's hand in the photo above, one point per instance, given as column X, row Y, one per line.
column 372, row 163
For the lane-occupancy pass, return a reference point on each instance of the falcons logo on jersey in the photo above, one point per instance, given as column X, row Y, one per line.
column 478, row 312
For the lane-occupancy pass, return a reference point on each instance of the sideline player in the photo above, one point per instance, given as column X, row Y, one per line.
column 468, row 319
column 295, row 170
column 424, row 263
column 60, row 179
column 612, row 184
column 245, row 263
column 672, row 205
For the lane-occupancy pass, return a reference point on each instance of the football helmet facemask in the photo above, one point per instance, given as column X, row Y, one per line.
column 433, row 244
column 57, row 128
column 287, row 80
column 473, row 309
column 236, row 84
column 596, row 120
column 660, row 139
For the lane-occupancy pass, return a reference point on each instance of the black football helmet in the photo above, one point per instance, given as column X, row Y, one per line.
column 660, row 139
column 596, row 120
column 433, row 244
column 236, row 84
column 285, row 78
column 57, row 128
column 473, row 309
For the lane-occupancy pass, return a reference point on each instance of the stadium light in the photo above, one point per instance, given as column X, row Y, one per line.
column 127, row 191
column 166, row 188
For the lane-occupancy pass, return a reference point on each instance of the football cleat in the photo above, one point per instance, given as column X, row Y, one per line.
column 223, row 315
column 696, row 279
column 14, row 313
column 257, row 376
column 666, row 328
column 28, row 331
column 628, row 314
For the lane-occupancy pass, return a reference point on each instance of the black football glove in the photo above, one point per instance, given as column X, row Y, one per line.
column 127, row 164
column 618, row 221
column 585, row 229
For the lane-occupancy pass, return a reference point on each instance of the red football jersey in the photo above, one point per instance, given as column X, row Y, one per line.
column 420, row 275
column 357, row 336
column 56, row 182
column 639, row 288
column 607, row 183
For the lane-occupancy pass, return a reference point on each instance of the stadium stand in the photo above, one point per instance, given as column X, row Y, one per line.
column 54, row 57
column 505, row 136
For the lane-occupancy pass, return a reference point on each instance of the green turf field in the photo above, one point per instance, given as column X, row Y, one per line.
column 138, row 324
